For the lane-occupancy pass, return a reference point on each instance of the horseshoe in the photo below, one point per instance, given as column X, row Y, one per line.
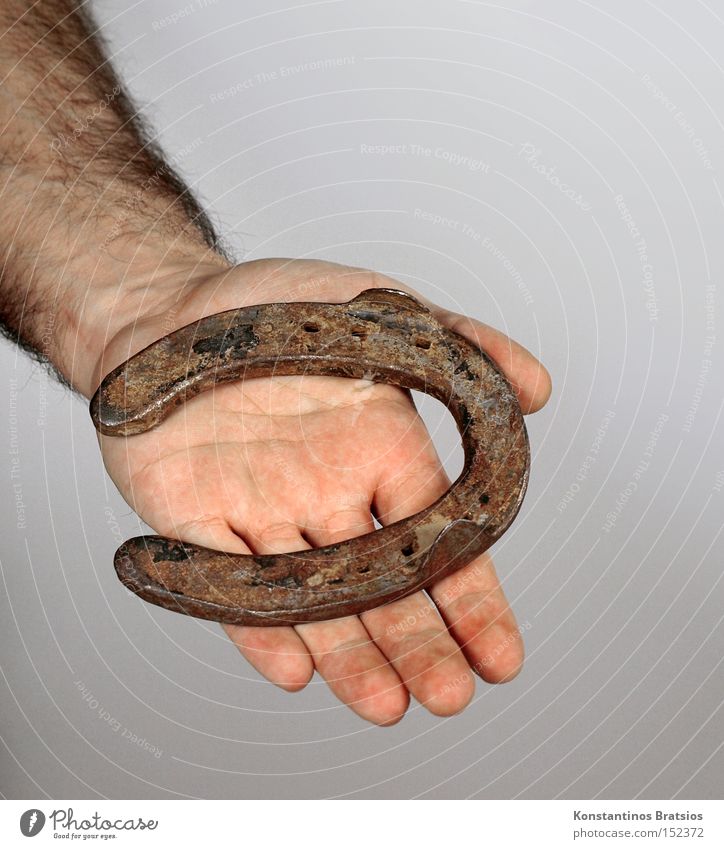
column 382, row 335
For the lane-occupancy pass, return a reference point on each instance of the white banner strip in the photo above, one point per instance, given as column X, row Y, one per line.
column 364, row 824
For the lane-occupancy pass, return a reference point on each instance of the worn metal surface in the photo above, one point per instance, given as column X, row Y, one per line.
column 381, row 335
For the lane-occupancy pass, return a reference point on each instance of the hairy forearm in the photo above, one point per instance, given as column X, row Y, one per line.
column 94, row 225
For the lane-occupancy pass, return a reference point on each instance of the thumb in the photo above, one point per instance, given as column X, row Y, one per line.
column 529, row 377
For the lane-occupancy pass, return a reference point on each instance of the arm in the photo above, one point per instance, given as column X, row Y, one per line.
column 93, row 222
column 103, row 251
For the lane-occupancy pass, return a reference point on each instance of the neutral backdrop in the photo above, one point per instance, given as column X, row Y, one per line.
column 572, row 196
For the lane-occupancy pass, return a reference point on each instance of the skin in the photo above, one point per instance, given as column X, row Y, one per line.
column 286, row 463
column 102, row 251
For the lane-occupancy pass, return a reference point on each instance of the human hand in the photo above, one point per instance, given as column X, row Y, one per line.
column 284, row 463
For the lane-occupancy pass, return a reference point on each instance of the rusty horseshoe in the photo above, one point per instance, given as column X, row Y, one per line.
column 382, row 335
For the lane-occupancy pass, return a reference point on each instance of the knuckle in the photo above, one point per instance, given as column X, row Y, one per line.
column 204, row 524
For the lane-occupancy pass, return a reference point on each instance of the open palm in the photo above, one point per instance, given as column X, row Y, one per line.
column 286, row 463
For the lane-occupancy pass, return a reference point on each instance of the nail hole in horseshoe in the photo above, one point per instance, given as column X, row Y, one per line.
column 408, row 550
column 423, row 343
column 310, row 327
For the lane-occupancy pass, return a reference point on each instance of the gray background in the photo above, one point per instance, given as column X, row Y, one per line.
column 622, row 689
